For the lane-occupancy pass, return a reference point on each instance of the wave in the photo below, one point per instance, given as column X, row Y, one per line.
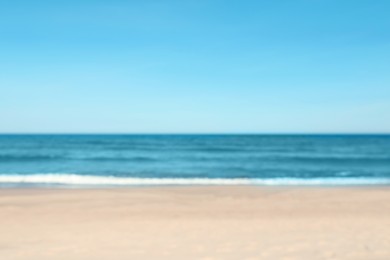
column 16, row 158
column 113, row 158
column 75, row 179
column 10, row 158
column 221, row 157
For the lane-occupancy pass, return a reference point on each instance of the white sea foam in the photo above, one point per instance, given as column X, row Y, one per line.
column 75, row 179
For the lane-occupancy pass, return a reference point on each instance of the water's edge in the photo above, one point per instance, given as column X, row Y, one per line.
column 90, row 180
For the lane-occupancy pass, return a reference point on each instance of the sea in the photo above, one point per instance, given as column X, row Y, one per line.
column 136, row 160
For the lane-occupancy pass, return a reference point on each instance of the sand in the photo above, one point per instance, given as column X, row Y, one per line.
column 195, row 223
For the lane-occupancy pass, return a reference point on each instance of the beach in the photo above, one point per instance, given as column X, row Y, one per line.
column 195, row 222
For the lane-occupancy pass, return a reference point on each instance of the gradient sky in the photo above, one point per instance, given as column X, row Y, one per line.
column 201, row 66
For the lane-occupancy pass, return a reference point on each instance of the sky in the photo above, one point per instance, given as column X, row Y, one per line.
column 202, row 66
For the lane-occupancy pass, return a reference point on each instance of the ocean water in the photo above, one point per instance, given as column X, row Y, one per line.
column 119, row 160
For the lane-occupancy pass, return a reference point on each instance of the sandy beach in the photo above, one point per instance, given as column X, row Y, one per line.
column 195, row 223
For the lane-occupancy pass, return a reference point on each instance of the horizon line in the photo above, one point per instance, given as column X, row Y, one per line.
column 194, row 133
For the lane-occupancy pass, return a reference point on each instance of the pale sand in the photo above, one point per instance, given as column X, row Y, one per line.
column 195, row 223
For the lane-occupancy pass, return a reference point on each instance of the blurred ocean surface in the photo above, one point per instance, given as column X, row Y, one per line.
column 75, row 160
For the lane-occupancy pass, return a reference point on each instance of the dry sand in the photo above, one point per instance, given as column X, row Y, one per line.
column 195, row 223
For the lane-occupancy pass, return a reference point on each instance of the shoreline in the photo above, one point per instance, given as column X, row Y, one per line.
column 62, row 187
column 79, row 180
column 196, row 222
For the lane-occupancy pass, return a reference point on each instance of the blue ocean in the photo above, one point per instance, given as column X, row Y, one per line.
column 126, row 160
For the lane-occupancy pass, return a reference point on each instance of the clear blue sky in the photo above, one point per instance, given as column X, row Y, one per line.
column 195, row 66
